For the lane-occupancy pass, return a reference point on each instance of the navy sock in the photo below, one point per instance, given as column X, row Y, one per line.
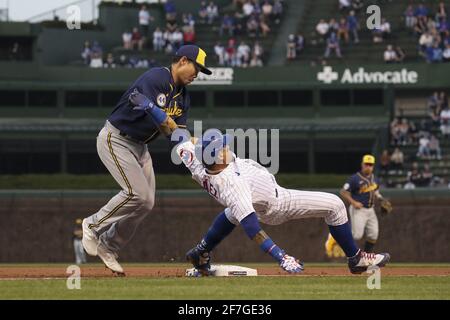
column 343, row 236
column 219, row 230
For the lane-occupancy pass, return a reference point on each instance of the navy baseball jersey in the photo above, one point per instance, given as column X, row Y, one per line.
column 157, row 84
column 362, row 188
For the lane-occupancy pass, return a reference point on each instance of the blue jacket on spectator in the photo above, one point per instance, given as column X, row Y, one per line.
column 421, row 11
column 169, row 7
column 352, row 22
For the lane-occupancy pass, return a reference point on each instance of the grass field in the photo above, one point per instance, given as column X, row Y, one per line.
column 312, row 286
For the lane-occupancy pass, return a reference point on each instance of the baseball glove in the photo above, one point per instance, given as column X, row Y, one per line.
column 385, row 206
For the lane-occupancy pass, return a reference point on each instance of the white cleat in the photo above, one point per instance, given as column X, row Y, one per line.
column 363, row 261
column 109, row 259
column 90, row 240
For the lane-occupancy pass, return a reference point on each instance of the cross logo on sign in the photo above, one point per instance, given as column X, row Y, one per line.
column 327, row 75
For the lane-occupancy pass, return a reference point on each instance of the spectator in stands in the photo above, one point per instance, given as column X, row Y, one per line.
column 96, row 55
column 123, row 61
column 333, row 26
column 344, row 5
column 435, row 148
column 230, row 53
column 171, row 11
column 443, row 100
column 243, row 55
column 300, row 44
column 445, row 122
column 385, row 161
column 267, row 9
column 425, row 42
column 434, row 108
column 144, row 21
column 421, row 11
column 427, row 176
column 252, row 26
column 126, row 39
column 212, row 12
column 333, row 44
column 264, row 26
column 257, row 55
column 442, row 27
column 158, row 40
column 400, row 54
column 277, row 11
column 446, row 54
column 424, row 147
column 177, row 40
column 390, row 56
column 322, row 29
column 441, row 11
column 227, row 25
column 436, row 55
column 410, row 19
column 219, row 50
column 397, row 159
column 414, row 177
column 188, row 20
column 385, row 29
column 109, row 62
column 136, row 39
column 377, row 35
column 171, row 25
column 420, row 26
column 353, row 26
column 291, row 52
column 248, row 8
column 357, row 5
column 202, row 13
column 189, row 36
column 343, row 30
column 404, row 131
column 86, row 53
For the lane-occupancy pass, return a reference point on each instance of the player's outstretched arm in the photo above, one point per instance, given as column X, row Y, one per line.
column 165, row 123
column 253, row 230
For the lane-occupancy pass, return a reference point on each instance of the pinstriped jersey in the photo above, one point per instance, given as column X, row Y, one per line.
column 244, row 186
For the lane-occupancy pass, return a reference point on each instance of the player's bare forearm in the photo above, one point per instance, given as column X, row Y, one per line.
column 168, row 126
column 347, row 196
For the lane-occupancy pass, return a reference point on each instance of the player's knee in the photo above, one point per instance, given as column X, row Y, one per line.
column 338, row 215
column 357, row 235
column 145, row 200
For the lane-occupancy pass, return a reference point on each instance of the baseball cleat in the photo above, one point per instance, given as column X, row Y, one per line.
column 200, row 260
column 109, row 259
column 90, row 240
column 363, row 261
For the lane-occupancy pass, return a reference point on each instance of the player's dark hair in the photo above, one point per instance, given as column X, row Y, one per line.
column 176, row 59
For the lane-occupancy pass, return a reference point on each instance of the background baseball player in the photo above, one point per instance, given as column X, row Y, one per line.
column 251, row 194
column 121, row 145
column 361, row 190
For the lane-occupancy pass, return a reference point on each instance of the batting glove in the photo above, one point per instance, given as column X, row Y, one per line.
column 140, row 101
column 291, row 265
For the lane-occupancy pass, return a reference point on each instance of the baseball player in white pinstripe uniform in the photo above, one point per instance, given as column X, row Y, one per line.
column 251, row 194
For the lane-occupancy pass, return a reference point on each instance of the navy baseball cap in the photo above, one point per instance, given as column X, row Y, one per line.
column 196, row 54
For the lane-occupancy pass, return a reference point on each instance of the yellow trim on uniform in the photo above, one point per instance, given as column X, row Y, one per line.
column 122, row 173
column 177, row 94
column 201, row 57
column 171, row 87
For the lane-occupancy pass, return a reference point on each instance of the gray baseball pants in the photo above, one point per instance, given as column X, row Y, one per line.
column 130, row 164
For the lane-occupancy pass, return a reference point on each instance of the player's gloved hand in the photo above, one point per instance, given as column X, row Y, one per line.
column 140, row 101
column 291, row 265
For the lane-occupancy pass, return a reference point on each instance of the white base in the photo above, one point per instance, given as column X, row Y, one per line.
column 224, row 271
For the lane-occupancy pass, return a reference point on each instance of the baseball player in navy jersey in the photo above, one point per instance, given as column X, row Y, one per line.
column 251, row 194
column 361, row 190
column 122, row 147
